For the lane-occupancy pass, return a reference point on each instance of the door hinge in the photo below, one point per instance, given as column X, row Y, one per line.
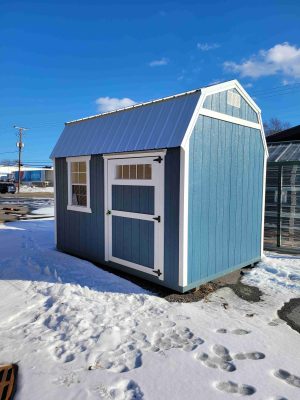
column 157, row 218
column 157, row 272
column 108, row 212
column 158, row 159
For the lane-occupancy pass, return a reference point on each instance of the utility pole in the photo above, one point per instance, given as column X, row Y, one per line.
column 20, row 145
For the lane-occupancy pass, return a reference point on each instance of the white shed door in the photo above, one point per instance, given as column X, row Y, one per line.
column 135, row 213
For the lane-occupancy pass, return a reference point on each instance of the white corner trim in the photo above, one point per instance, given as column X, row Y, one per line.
column 136, row 154
column 228, row 118
column 70, row 206
column 55, row 212
column 106, row 224
column 263, row 136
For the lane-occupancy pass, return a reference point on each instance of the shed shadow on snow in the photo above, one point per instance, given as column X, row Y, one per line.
column 28, row 254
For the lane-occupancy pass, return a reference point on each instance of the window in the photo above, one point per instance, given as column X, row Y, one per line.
column 134, row 171
column 79, row 184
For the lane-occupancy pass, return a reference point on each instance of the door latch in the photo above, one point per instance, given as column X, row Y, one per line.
column 157, row 218
column 108, row 212
column 157, row 272
column 158, row 159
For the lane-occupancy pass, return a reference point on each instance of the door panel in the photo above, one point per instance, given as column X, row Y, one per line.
column 135, row 199
column 133, row 240
column 135, row 208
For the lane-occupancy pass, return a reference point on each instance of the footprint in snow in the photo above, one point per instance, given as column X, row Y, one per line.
column 255, row 355
column 286, row 377
column 235, row 331
column 221, row 359
column 122, row 390
column 232, row 387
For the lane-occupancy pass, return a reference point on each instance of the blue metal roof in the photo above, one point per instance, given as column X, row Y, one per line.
column 154, row 125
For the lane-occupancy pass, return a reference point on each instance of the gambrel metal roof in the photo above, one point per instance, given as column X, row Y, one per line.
column 158, row 124
column 154, row 125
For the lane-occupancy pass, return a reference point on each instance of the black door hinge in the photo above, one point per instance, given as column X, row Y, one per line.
column 157, row 272
column 108, row 212
column 158, row 159
column 157, row 218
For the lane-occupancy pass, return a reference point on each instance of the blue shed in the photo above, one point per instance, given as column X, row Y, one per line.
column 171, row 190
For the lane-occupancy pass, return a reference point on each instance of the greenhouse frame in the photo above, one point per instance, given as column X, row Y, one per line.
column 282, row 203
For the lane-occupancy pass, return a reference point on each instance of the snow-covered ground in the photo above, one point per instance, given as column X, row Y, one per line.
column 44, row 211
column 78, row 332
column 36, row 189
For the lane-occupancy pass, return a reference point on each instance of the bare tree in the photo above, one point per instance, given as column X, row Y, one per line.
column 274, row 125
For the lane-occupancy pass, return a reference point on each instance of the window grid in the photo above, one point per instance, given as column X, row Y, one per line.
column 134, row 171
column 78, row 182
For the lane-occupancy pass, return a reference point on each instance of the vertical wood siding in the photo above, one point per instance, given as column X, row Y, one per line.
column 80, row 233
column 218, row 102
column 225, row 197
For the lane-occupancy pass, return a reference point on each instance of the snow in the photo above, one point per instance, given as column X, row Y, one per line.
column 78, row 332
column 44, row 211
column 36, row 189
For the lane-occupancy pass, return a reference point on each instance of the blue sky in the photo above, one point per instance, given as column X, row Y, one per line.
column 62, row 60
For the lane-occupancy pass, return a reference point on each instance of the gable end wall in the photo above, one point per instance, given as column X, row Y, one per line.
column 225, row 198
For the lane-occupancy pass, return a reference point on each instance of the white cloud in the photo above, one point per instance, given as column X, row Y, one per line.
column 248, row 85
column 280, row 59
column 207, row 46
column 112, row 103
column 159, row 63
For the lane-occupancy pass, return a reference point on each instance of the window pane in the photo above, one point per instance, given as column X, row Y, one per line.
column 82, row 177
column 74, row 166
column 119, row 172
column 148, row 171
column 125, row 171
column 79, row 197
column 132, row 171
column 75, row 177
column 140, row 171
column 82, row 166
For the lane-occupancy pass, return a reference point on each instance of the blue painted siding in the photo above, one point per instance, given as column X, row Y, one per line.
column 225, row 197
column 136, row 199
column 79, row 233
column 82, row 234
column 133, row 240
column 218, row 102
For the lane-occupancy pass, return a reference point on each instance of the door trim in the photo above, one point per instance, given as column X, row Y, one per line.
column 159, row 182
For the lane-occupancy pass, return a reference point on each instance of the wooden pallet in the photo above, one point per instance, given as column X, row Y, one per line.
column 12, row 212
column 8, row 381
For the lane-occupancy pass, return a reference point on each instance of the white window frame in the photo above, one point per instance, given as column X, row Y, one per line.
column 72, row 207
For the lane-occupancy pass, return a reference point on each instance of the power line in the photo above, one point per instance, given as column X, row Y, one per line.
column 9, row 152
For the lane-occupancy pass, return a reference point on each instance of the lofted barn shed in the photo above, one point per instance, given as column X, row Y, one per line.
column 171, row 190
